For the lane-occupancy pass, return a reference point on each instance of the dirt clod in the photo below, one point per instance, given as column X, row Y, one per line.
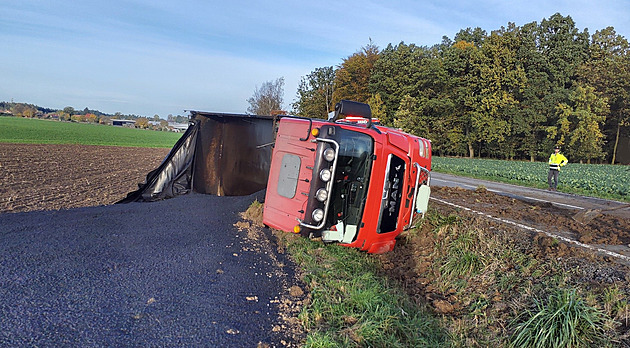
column 296, row 291
column 443, row 307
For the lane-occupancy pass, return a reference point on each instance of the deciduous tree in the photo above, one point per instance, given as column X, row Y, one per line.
column 579, row 124
column 142, row 122
column 502, row 76
column 353, row 75
column 77, row 118
column 409, row 118
column 534, row 105
column 464, row 62
column 608, row 70
column 315, row 93
column 378, row 109
column 91, row 118
column 406, row 70
column 69, row 110
column 268, row 98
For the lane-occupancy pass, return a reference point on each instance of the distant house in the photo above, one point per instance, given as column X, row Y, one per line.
column 177, row 127
column 122, row 123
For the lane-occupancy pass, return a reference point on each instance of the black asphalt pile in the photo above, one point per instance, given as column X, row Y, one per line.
column 169, row 273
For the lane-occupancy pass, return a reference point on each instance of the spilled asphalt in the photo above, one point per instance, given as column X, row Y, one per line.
column 169, row 273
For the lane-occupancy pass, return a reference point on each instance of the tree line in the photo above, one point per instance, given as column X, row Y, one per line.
column 86, row 115
column 512, row 93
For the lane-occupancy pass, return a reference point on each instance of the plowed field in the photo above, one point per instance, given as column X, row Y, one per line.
column 53, row 177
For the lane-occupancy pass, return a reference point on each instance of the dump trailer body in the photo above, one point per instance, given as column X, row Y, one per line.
column 221, row 154
column 233, row 153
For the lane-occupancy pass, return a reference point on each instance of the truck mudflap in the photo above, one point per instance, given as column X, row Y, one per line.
column 220, row 154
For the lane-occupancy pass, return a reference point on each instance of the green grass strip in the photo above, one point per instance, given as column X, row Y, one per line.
column 354, row 305
column 35, row 131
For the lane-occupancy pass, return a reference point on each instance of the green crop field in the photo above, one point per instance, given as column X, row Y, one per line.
column 602, row 180
column 34, row 131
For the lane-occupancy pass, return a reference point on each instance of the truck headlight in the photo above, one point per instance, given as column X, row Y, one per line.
column 321, row 195
column 329, row 154
column 318, row 215
column 325, row 175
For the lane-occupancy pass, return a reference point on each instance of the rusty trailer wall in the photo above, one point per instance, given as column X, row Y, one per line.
column 233, row 153
column 220, row 154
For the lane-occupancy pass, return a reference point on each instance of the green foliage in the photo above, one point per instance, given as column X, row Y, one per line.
column 608, row 70
column 579, row 125
column 33, row 131
column 562, row 320
column 353, row 76
column 602, row 180
column 510, row 93
column 409, row 117
column 315, row 92
column 405, row 70
column 378, row 109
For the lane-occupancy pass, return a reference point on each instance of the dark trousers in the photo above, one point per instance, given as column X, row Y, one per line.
column 552, row 178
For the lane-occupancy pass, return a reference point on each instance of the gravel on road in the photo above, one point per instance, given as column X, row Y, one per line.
column 169, row 273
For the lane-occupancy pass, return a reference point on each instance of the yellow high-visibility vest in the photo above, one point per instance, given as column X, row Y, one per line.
column 557, row 160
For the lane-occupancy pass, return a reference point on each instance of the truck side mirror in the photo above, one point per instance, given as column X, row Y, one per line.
column 422, row 200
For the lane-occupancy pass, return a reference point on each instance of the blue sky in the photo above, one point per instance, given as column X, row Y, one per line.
column 150, row 57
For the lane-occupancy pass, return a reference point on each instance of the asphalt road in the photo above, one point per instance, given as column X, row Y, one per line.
column 174, row 273
column 560, row 199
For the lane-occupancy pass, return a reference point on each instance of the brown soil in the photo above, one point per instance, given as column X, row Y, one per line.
column 603, row 229
column 52, row 177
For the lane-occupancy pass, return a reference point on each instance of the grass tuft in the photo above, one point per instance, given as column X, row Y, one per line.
column 562, row 320
column 462, row 260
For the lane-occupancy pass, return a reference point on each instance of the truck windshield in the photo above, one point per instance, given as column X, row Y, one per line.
column 351, row 179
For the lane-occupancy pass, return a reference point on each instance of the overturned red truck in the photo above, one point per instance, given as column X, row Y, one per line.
column 347, row 180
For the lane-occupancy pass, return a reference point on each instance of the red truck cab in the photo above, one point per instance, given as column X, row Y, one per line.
column 347, row 181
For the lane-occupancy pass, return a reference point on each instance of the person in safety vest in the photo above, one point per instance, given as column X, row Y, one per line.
column 556, row 160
